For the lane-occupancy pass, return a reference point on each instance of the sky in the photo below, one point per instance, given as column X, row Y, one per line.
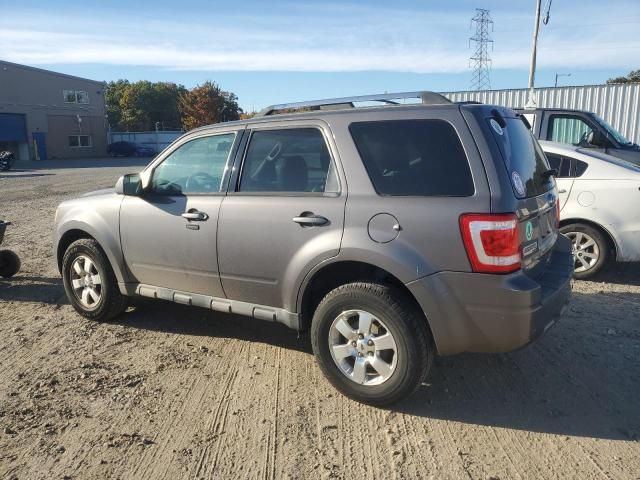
column 276, row 51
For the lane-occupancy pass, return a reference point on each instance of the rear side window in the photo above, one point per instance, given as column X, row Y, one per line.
column 413, row 158
column 522, row 156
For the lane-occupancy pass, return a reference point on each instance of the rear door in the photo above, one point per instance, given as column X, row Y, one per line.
column 565, row 177
column 284, row 212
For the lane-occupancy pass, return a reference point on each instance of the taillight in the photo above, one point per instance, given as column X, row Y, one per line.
column 558, row 212
column 491, row 242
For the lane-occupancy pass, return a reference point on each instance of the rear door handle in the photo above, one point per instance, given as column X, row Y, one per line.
column 195, row 216
column 310, row 220
column 562, row 191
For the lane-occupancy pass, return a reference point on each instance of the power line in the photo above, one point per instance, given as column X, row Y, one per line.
column 480, row 61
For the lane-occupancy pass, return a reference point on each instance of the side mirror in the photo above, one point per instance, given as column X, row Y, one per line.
column 597, row 139
column 129, row 184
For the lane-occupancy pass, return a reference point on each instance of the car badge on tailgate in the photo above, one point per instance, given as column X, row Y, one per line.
column 529, row 230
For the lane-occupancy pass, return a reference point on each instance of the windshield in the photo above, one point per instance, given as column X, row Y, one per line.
column 617, row 136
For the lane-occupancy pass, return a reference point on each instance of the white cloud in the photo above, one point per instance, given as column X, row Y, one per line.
column 324, row 38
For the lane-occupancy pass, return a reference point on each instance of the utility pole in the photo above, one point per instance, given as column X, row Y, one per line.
column 531, row 102
column 480, row 60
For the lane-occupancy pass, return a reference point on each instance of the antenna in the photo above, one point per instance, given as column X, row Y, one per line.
column 480, row 61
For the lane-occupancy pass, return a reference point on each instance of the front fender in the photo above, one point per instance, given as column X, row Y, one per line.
column 101, row 222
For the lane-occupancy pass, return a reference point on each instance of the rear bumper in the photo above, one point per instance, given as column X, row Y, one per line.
column 473, row 312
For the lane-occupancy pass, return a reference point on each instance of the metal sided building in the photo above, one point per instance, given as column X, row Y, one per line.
column 618, row 104
column 48, row 115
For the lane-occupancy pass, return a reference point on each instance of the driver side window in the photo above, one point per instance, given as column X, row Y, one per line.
column 567, row 129
column 197, row 166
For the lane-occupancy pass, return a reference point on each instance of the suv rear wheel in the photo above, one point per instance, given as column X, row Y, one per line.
column 89, row 282
column 589, row 247
column 370, row 344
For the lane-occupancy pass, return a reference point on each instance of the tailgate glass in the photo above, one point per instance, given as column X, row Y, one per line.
column 523, row 158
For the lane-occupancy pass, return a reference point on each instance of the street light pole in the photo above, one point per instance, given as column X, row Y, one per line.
column 561, row 75
column 531, row 102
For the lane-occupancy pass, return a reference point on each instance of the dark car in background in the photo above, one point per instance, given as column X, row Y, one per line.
column 129, row 149
column 580, row 129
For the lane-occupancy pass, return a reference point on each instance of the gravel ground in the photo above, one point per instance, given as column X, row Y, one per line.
column 168, row 391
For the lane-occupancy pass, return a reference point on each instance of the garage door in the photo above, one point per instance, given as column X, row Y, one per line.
column 12, row 127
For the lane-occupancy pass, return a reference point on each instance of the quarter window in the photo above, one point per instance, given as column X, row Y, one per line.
column 294, row 160
column 581, row 167
column 197, row 166
column 80, row 141
column 413, row 158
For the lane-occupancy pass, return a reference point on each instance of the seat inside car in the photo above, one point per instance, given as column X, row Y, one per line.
column 292, row 173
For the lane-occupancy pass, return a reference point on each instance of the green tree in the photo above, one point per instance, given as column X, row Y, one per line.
column 112, row 95
column 138, row 106
column 207, row 104
column 632, row 77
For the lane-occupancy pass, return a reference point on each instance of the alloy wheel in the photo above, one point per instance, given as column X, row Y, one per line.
column 362, row 347
column 86, row 282
column 585, row 251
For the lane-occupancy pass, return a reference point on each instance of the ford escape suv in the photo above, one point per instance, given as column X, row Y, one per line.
column 392, row 233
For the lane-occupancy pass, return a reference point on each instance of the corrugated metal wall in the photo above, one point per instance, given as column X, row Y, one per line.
column 619, row 105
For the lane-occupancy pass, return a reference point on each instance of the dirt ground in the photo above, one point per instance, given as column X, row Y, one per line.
column 168, row 391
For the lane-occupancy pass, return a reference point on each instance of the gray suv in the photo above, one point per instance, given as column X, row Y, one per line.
column 392, row 233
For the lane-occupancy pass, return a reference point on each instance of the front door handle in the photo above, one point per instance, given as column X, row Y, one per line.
column 194, row 215
column 562, row 191
column 308, row 219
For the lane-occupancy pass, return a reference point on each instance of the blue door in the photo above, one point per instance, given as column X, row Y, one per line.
column 40, row 139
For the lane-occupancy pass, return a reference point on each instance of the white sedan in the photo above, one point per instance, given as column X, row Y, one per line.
column 599, row 205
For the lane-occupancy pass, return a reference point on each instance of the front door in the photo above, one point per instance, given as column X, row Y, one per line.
column 169, row 234
column 284, row 216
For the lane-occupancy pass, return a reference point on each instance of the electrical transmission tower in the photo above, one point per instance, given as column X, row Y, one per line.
column 480, row 61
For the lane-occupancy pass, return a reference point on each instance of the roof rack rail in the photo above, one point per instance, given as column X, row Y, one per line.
column 427, row 98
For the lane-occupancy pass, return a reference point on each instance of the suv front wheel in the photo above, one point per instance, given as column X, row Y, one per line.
column 370, row 343
column 89, row 282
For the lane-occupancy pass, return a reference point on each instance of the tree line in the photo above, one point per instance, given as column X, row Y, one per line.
column 632, row 77
column 143, row 106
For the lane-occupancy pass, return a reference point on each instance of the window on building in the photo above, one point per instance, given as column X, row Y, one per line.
column 75, row 96
column 80, row 141
column 82, row 96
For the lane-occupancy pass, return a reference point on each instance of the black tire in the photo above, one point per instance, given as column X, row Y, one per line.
column 406, row 324
column 111, row 303
column 9, row 263
column 604, row 249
